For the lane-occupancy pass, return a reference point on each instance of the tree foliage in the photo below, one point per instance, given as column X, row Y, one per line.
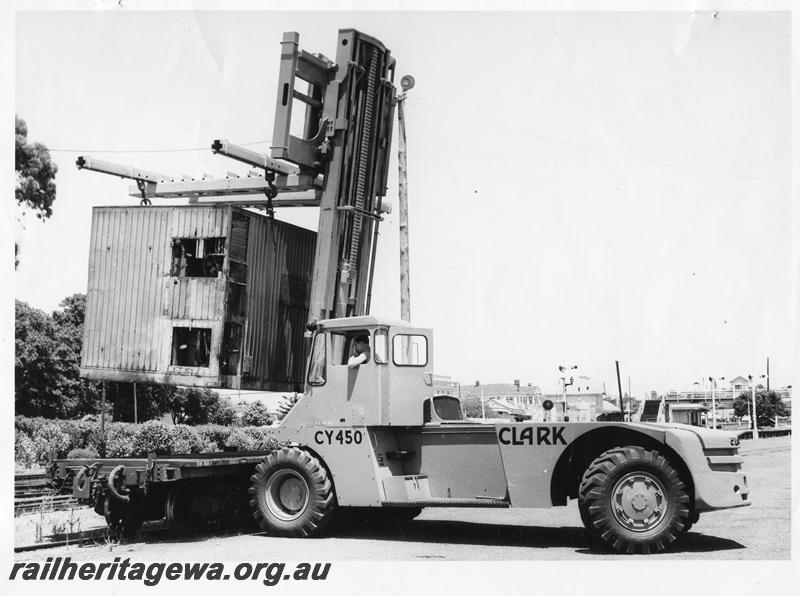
column 768, row 405
column 286, row 405
column 151, row 400
column 472, row 407
column 36, row 173
column 47, row 361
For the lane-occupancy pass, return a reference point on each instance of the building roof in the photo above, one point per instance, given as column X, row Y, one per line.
column 499, row 389
column 499, row 405
column 700, row 407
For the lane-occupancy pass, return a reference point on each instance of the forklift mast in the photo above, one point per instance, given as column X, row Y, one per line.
column 346, row 137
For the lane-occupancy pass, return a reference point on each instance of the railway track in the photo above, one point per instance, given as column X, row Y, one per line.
column 33, row 492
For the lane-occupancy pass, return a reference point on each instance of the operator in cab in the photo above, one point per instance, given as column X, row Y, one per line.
column 361, row 352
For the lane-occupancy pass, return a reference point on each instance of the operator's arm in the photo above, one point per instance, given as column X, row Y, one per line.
column 358, row 359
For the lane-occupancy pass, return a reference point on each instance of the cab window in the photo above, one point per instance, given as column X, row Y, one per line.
column 343, row 346
column 381, row 343
column 410, row 350
column 316, row 367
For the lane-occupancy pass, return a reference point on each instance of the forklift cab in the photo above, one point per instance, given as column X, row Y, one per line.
column 386, row 386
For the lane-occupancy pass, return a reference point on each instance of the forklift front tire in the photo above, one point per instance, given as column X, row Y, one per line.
column 291, row 494
column 634, row 501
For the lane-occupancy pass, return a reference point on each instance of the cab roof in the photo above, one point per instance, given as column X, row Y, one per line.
column 364, row 321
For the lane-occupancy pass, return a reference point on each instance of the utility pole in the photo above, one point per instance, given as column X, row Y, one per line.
column 564, row 384
column 483, row 407
column 135, row 406
column 713, row 382
column 767, row 373
column 753, row 398
column 713, row 403
column 407, row 82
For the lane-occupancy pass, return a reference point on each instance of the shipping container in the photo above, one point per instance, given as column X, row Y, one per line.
column 210, row 296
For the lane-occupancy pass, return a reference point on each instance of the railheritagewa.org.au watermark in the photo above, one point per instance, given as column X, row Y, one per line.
column 151, row 574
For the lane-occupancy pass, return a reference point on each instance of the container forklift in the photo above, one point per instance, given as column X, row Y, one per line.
column 375, row 436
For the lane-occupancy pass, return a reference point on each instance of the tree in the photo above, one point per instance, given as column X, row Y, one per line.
column 286, row 405
column 151, row 400
column 37, row 383
column 768, row 405
column 35, row 177
column 472, row 407
column 47, row 361
column 36, row 173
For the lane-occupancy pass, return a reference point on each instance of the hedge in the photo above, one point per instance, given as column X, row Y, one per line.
column 36, row 439
column 120, row 439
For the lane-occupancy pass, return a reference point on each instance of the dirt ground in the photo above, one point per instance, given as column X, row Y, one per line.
column 759, row 532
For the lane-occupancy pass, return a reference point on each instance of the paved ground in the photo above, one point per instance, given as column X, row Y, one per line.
column 759, row 532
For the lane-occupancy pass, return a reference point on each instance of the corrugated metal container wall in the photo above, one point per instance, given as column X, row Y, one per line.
column 124, row 295
column 281, row 261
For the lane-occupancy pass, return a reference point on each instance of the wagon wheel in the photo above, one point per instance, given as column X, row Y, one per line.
column 632, row 500
column 291, row 494
column 123, row 520
column 177, row 512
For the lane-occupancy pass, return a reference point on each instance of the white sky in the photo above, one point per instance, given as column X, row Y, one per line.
column 584, row 187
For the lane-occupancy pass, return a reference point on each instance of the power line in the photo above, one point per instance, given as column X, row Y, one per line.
column 597, row 149
column 206, row 148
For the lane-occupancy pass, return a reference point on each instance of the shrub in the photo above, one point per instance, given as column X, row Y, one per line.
column 213, row 436
column 222, row 412
column 153, row 436
column 24, row 450
column 90, row 432
column 72, row 429
column 29, row 426
column 252, row 438
column 84, row 453
column 256, row 414
column 49, row 440
column 240, row 440
column 120, row 439
column 263, row 437
column 185, row 439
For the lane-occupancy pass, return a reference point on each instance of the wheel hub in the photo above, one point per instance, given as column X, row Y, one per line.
column 286, row 494
column 638, row 501
column 291, row 494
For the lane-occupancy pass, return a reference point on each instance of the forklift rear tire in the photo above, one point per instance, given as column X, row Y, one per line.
column 291, row 494
column 633, row 500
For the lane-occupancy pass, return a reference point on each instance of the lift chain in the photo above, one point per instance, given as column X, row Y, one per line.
column 271, row 192
column 141, row 186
